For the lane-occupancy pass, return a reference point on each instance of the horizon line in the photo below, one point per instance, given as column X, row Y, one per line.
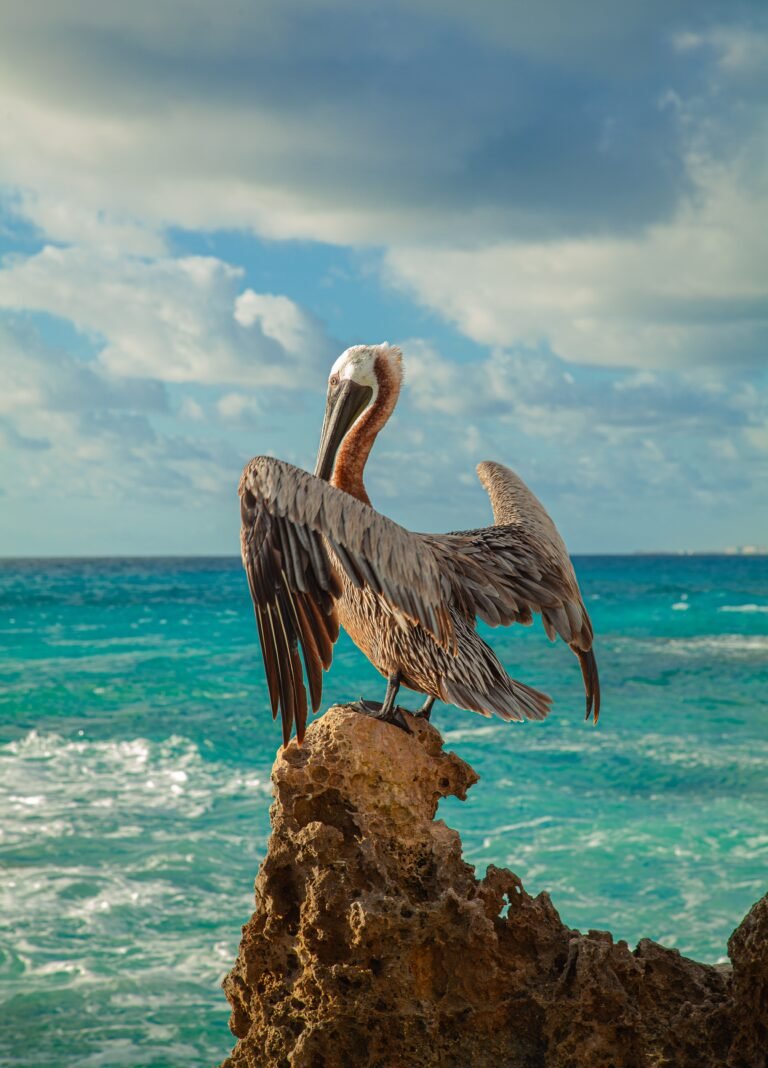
column 730, row 554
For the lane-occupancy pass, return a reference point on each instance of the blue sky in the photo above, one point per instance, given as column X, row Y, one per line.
column 560, row 214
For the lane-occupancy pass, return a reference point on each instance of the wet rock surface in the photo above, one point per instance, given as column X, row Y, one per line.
column 373, row 944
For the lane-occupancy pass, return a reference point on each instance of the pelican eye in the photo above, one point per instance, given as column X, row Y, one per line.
column 333, row 381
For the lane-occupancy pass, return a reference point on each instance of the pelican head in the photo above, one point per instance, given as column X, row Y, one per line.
column 354, row 385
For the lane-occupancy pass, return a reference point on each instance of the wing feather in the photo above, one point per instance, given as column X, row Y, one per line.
column 313, row 664
column 520, row 566
column 291, row 524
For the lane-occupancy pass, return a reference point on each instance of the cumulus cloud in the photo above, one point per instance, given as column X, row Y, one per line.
column 338, row 123
column 81, row 433
column 578, row 191
column 534, row 174
column 595, row 444
column 67, row 222
column 173, row 319
column 191, row 410
column 280, row 319
column 104, row 400
column 39, row 378
column 693, row 290
column 534, row 389
column 235, row 407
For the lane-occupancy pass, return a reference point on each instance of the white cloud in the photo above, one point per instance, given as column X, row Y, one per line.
column 687, row 292
column 544, row 181
column 739, row 50
column 191, row 410
column 443, row 170
column 235, row 406
column 39, row 379
column 623, row 433
column 68, row 222
column 175, row 320
column 758, row 436
column 343, row 125
column 101, row 432
column 279, row 318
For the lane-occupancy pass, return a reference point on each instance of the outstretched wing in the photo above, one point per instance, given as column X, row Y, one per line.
column 507, row 572
column 291, row 524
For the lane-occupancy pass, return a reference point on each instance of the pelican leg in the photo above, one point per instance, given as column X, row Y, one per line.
column 426, row 709
column 386, row 712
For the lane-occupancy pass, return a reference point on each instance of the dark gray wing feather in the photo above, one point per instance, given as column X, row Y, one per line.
column 290, row 521
column 507, row 572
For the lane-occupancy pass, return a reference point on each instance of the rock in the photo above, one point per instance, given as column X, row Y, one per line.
column 748, row 950
column 373, row 944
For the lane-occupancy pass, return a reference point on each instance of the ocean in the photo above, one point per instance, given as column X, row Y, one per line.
column 135, row 752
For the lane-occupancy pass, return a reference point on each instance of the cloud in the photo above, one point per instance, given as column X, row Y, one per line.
column 132, row 402
column 11, row 438
column 338, row 123
column 579, row 192
column 690, row 291
column 101, row 430
column 589, row 440
column 39, row 378
column 587, row 181
column 171, row 319
column 65, row 222
column 278, row 318
column 191, row 410
column 539, row 392
column 236, row 407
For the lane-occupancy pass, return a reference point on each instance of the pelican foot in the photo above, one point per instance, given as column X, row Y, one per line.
column 376, row 710
column 426, row 709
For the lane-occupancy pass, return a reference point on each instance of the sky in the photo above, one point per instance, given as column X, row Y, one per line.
column 558, row 211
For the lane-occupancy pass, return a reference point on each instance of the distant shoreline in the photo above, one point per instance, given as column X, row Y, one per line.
column 726, row 554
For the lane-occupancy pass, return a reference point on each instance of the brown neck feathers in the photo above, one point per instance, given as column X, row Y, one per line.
column 357, row 445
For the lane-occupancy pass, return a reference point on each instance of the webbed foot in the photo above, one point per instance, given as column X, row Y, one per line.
column 426, row 709
column 377, row 710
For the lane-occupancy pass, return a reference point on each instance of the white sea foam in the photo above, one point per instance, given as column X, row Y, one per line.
column 462, row 733
column 51, row 787
column 715, row 644
column 743, row 608
column 106, row 882
column 667, row 749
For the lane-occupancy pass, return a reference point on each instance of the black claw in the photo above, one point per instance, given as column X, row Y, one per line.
column 426, row 709
column 397, row 719
column 368, row 708
column 375, row 710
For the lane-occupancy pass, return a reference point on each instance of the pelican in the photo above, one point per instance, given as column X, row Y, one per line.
column 318, row 556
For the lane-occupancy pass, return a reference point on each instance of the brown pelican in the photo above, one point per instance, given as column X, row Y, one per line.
column 318, row 556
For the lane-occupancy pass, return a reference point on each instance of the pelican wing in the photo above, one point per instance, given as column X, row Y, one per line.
column 507, row 572
column 291, row 524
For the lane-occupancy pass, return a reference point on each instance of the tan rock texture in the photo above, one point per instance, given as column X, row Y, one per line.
column 373, row 944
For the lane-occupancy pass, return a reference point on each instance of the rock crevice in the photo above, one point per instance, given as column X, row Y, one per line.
column 373, row 943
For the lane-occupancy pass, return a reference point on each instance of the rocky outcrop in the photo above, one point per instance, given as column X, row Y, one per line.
column 373, row 944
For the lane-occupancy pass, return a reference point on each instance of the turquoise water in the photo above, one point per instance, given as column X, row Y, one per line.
column 135, row 750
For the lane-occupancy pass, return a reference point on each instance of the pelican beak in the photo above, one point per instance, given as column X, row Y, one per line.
column 344, row 404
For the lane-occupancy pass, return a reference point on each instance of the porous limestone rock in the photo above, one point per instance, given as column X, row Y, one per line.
column 373, row 945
